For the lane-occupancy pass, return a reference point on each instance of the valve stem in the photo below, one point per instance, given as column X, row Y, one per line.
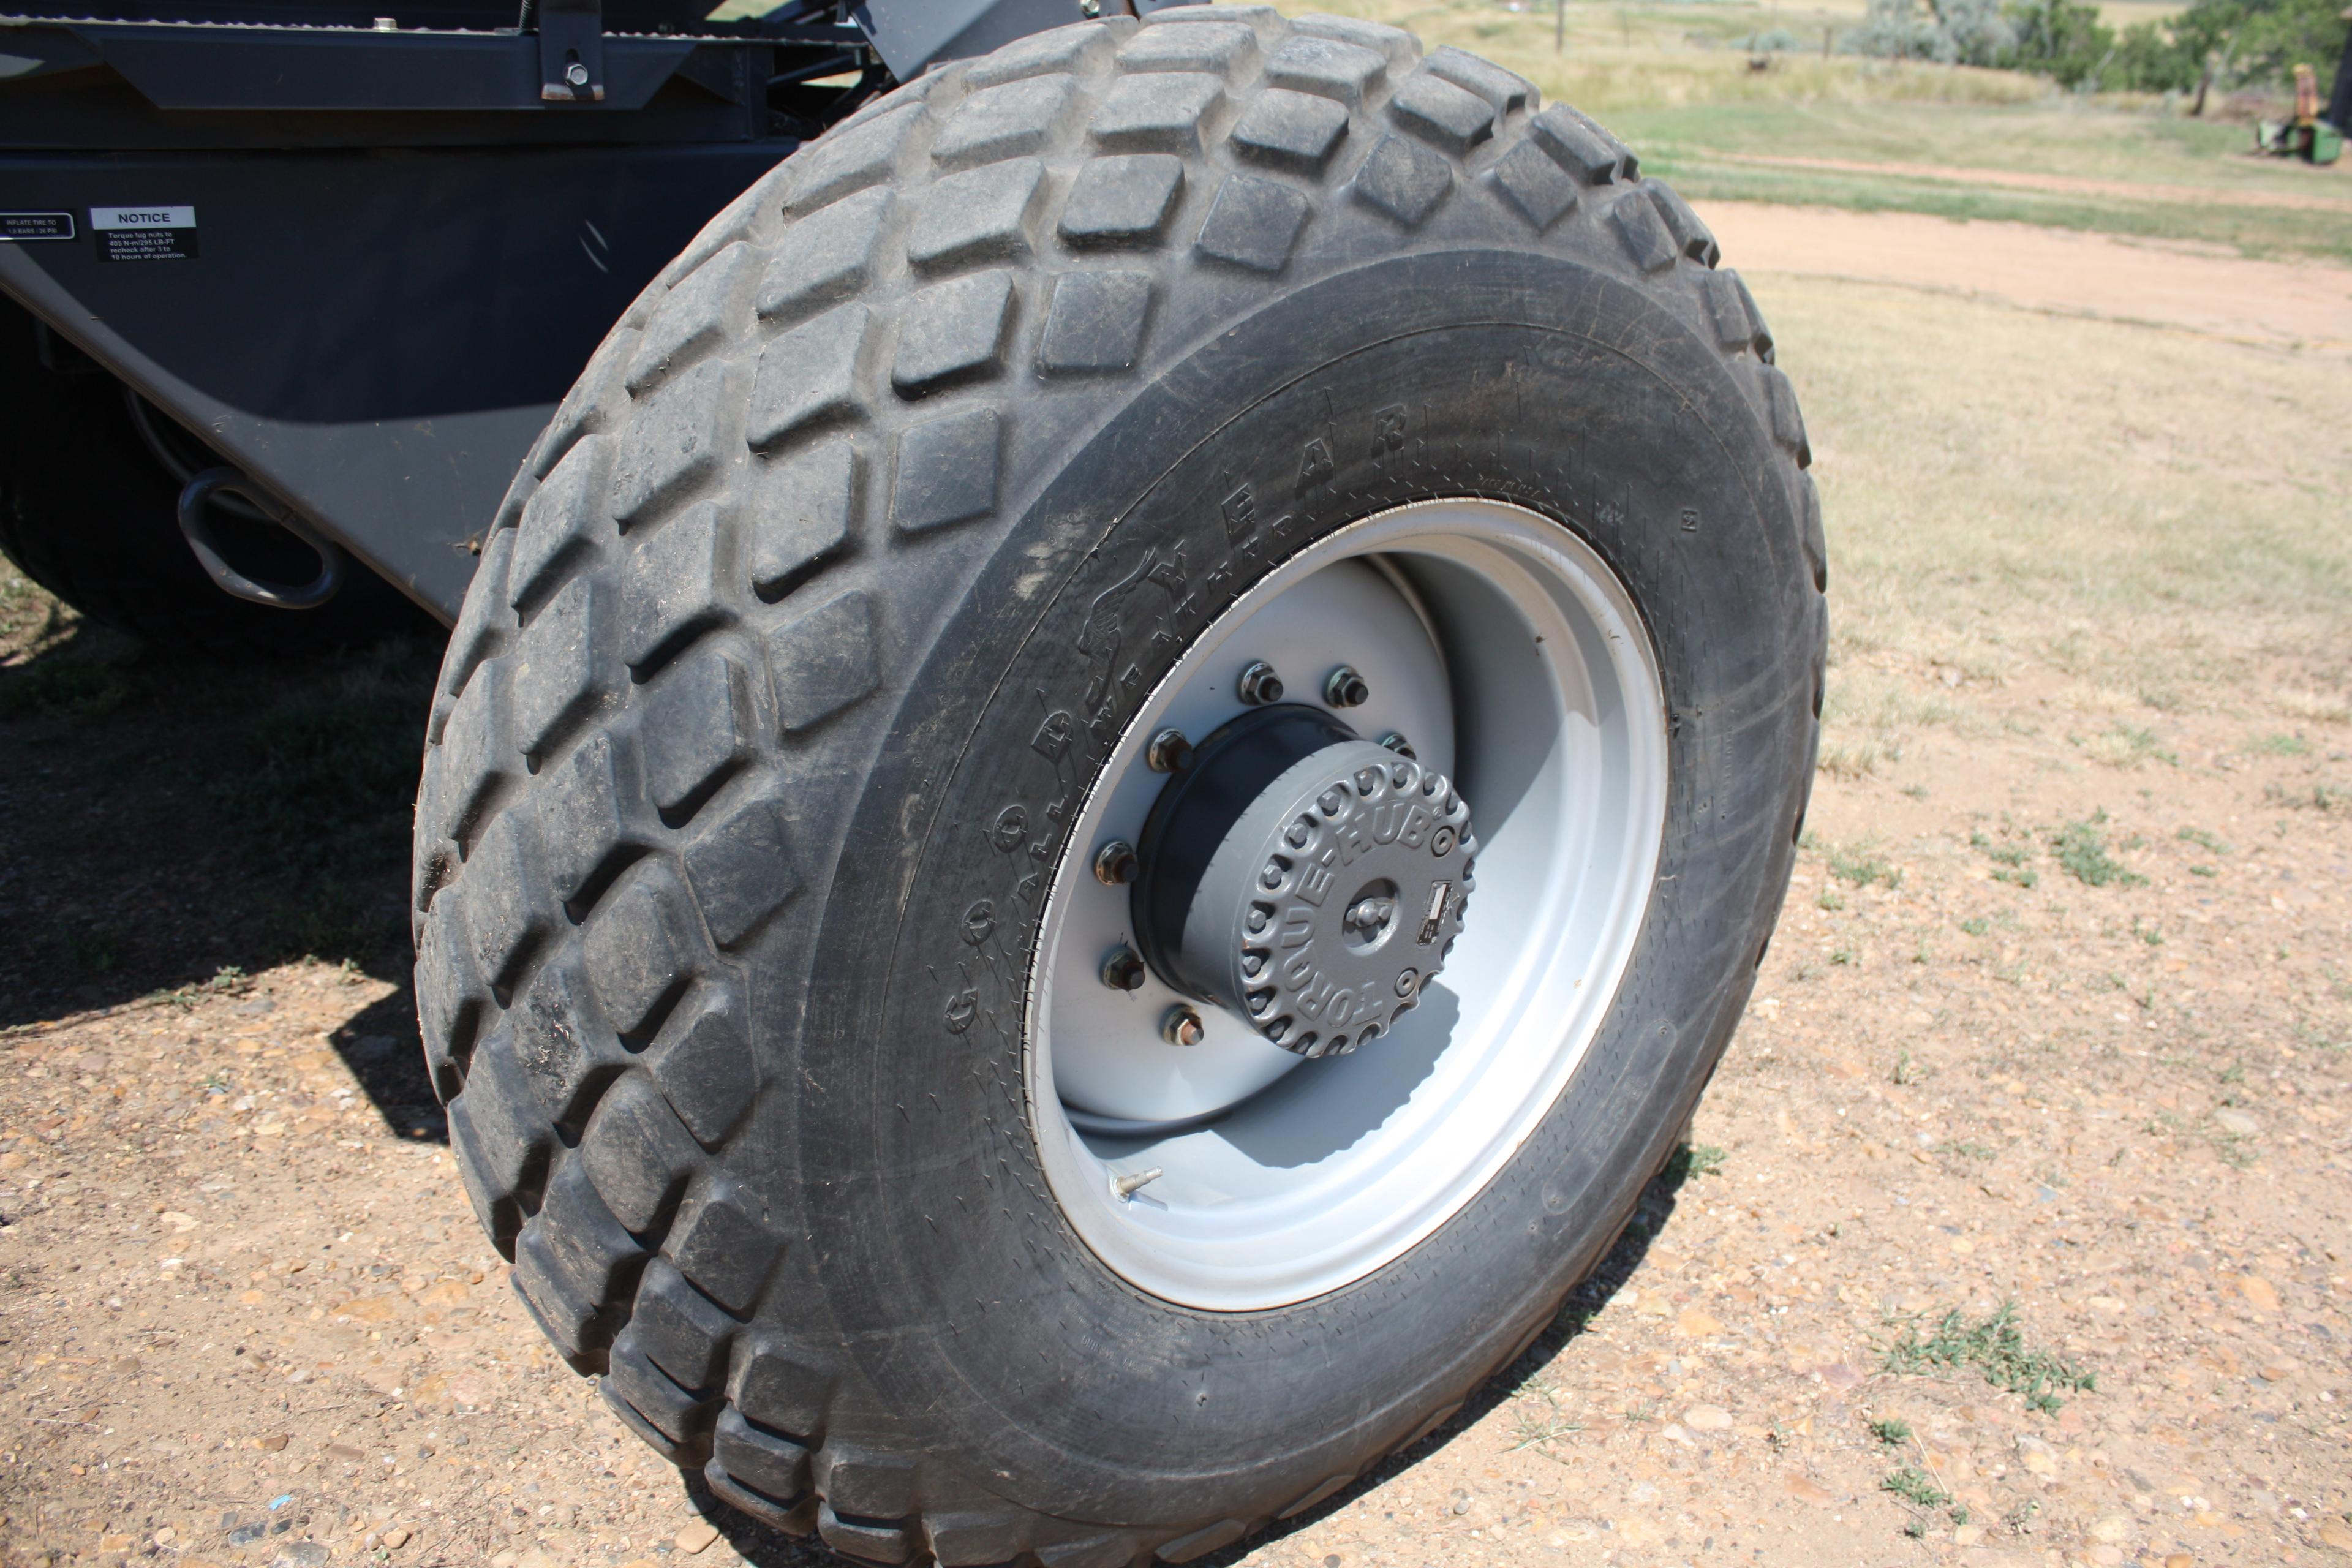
column 1124, row 1188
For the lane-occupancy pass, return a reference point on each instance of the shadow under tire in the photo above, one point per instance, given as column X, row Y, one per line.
column 829, row 617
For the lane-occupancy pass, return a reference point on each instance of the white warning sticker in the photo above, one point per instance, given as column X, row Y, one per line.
column 144, row 234
column 18, row 228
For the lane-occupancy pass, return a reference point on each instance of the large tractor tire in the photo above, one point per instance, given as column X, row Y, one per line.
column 90, row 476
column 1112, row 783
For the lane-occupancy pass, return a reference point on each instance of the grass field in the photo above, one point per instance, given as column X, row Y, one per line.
column 1675, row 81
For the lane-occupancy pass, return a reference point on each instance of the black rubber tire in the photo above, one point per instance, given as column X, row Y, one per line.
column 87, row 511
column 815, row 581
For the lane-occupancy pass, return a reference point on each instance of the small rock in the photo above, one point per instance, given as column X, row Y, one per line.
column 396, row 1536
column 300, row 1554
column 271, row 1444
column 1708, row 1418
column 2179, row 1560
column 1967, row 1534
column 1839, row 1375
column 2106, row 1556
column 2039, row 1456
column 1694, row 1324
column 2259, row 1292
column 2277, row 1371
column 2337, row 1533
column 697, row 1537
column 1805, row 1490
column 2115, row 1528
column 2230, row 1119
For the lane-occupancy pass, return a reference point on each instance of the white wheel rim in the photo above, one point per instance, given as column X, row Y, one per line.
column 1513, row 660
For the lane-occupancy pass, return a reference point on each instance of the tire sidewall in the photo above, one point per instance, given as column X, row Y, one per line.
column 1510, row 374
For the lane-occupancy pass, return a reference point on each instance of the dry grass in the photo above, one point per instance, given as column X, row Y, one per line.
column 1649, row 56
column 2145, row 521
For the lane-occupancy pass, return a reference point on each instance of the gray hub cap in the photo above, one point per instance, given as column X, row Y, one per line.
column 1333, row 898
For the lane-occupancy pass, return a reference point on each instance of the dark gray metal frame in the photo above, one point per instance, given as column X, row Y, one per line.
column 407, row 234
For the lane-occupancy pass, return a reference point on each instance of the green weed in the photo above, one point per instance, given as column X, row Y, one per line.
column 2282, row 746
column 2009, row 860
column 2327, row 798
column 1915, row 1487
column 1860, row 866
column 1995, row 1347
column 1692, row 1160
column 1891, row 1430
column 2082, row 849
column 2203, row 839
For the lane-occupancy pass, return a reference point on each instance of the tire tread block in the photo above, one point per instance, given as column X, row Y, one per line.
column 802, row 512
column 680, row 1332
column 1344, row 72
column 637, row 1154
column 741, row 869
column 675, row 443
column 981, row 216
column 954, row 331
column 946, row 471
column 720, row 1242
column 696, row 732
column 676, row 588
column 1403, row 180
column 554, row 678
column 1122, row 201
column 573, row 1262
column 811, row 378
column 1095, row 322
column 1007, row 121
column 696, row 317
column 638, row 955
column 1253, row 224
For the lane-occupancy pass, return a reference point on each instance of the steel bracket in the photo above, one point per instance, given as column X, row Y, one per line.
column 570, row 50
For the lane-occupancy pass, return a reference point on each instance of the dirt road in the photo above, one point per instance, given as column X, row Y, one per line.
column 2284, row 304
column 2016, row 1231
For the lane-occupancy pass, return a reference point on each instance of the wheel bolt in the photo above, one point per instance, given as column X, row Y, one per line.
column 1343, row 688
column 1395, row 741
column 1115, row 864
column 1406, row 981
column 1260, row 685
column 1169, row 753
column 1182, row 1026
column 1124, row 970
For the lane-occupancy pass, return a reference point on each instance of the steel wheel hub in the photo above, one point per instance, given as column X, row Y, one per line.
column 1307, row 883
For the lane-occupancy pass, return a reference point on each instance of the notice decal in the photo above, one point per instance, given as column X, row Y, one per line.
column 19, row 228
column 144, row 234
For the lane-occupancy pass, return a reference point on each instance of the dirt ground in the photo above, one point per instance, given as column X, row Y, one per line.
column 2201, row 288
column 2016, row 1222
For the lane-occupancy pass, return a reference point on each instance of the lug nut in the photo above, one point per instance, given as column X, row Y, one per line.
column 1260, row 685
column 1115, row 864
column 1124, row 970
column 1395, row 741
column 1182, row 1026
column 1169, row 753
column 1343, row 688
